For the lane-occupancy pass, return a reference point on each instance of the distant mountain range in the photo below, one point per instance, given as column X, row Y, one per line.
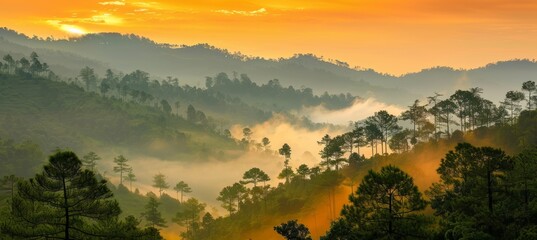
column 191, row 64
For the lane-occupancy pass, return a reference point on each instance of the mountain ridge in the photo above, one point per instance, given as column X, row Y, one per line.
column 191, row 64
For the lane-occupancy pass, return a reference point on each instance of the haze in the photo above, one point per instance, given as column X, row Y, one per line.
column 390, row 36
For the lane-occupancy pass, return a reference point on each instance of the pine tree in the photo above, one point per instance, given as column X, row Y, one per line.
column 121, row 167
column 152, row 215
column 63, row 201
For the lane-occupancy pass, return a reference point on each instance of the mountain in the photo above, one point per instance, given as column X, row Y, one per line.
column 61, row 115
column 191, row 64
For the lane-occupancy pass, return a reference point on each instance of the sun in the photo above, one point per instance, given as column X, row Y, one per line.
column 73, row 29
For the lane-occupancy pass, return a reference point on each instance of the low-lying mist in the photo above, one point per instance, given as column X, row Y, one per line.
column 360, row 109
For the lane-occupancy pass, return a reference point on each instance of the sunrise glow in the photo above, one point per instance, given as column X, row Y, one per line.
column 72, row 30
column 387, row 35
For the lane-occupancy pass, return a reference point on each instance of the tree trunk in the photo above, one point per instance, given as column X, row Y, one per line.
column 390, row 221
column 447, row 123
column 489, row 191
column 66, row 208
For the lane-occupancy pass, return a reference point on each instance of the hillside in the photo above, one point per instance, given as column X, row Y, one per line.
column 191, row 64
column 60, row 115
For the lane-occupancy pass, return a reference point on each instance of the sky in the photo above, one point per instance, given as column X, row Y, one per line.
column 389, row 36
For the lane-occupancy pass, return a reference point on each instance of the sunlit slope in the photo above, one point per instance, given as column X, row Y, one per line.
column 56, row 114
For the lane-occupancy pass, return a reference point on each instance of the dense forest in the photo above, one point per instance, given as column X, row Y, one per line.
column 484, row 156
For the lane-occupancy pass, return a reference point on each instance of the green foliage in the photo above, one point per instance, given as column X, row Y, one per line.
column 159, row 181
column 383, row 125
column 63, row 201
column 232, row 196
column 483, row 192
column 254, row 175
column 90, row 160
column 386, row 205
column 292, row 230
column 182, row 187
column 333, row 152
column 189, row 216
column 126, row 229
column 274, row 96
column 20, row 159
column 121, row 167
column 31, row 107
column 152, row 215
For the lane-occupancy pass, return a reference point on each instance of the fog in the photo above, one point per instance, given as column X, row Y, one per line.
column 359, row 110
column 208, row 177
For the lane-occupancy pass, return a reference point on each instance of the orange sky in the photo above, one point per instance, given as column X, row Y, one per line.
column 389, row 36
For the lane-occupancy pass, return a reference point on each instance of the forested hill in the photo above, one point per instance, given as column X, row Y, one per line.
column 191, row 64
column 56, row 114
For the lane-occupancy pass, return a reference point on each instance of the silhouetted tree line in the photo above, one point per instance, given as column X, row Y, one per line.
column 286, row 97
column 26, row 67
column 168, row 96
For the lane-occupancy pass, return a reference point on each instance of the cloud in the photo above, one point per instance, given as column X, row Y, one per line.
column 105, row 18
column 244, row 13
column 114, row 3
column 68, row 28
column 360, row 110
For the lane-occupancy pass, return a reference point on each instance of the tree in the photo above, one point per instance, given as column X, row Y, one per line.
column 399, row 142
column 415, row 114
column 11, row 64
column 461, row 98
column 24, row 65
column 227, row 197
column 470, row 187
column 90, row 160
column 303, row 171
column 254, row 175
column 286, row 173
column 35, row 67
column 105, row 86
column 8, row 184
column 387, row 124
column 130, row 178
column 285, row 151
column 182, row 187
column 386, row 205
column 152, row 215
column 88, row 76
column 445, row 109
column 231, row 197
column 292, row 230
column 512, row 102
column 61, row 202
column 333, row 152
column 247, row 133
column 159, row 181
column 266, row 143
column 324, row 141
column 166, row 106
column 524, row 183
column 191, row 115
column 121, row 167
column 189, row 214
column 434, row 111
column 530, row 87
column 177, row 105
column 373, row 134
column 358, row 137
